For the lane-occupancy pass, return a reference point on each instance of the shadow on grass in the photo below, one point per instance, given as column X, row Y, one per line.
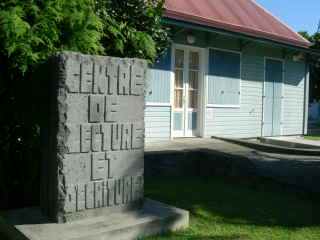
column 233, row 202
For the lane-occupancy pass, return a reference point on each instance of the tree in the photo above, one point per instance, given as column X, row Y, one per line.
column 30, row 32
column 314, row 66
column 133, row 28
column 33, row 30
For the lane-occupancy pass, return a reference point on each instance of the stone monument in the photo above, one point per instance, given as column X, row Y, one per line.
column 93, row 155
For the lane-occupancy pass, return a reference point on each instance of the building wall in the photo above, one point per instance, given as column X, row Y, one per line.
column 293, row 102
column 158, row 109
column 157, row 123
column 240, row 122
column 244, row 121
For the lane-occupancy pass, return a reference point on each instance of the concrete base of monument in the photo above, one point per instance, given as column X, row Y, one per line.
column 154, row 218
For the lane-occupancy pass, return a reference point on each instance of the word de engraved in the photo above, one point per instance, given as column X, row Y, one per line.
column 112, row 138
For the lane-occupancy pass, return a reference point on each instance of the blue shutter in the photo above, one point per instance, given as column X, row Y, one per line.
column 164, row 62
column 224, row 78
column 159, row 83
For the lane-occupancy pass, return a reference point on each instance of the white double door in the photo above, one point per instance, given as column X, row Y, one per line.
column 187, row 75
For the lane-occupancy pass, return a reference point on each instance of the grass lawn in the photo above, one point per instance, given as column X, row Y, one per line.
column 236, row 210
column 316, row 138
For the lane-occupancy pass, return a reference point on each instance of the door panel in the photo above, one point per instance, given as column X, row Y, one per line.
column 268, row 107
column 277, row 97
column 192, row 121
column 178, row 121
column 273, row 98
column 179, row 79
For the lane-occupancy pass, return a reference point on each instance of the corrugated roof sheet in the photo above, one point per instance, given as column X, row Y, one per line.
column 243, row 16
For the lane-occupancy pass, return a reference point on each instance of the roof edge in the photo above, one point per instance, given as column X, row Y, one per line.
column 281, row 21
column 197, row 26
column 171, row 14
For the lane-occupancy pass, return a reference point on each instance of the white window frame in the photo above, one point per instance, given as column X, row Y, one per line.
column 212, row 105
column 202, row 85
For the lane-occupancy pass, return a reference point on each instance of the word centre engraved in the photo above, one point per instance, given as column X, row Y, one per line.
column 101, row 77
column 99, row 133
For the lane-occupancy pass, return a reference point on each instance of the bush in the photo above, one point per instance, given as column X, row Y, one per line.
column 31, row 31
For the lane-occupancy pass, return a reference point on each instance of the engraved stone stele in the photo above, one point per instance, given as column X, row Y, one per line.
column 97, row 123
column 93, row 154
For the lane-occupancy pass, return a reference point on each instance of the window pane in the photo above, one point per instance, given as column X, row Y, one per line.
column 179, row 58
column 178, row 96
column 178, row 120
column 178, row 79
column 193, row 79
column 192, row 120
column 194, row 60
column 193, row 99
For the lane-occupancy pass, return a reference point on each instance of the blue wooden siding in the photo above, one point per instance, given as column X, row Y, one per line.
column 293, row 102
column 157, row 123
column 244, row 121
column 240, row 122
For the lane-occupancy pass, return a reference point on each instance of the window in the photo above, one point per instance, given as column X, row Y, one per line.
column 224, row 78
column 178, row 83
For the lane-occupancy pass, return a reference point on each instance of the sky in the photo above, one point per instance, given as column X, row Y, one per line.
column 301, row 15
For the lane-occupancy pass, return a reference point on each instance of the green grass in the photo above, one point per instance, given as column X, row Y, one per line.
column 315, row 138
column 238, row 210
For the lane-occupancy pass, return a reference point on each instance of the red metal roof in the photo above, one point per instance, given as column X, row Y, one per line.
column 243, row 16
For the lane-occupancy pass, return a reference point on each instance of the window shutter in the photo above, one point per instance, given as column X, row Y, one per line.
column 224, row 78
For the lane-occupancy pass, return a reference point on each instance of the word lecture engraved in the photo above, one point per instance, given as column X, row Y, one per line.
column 105, row 137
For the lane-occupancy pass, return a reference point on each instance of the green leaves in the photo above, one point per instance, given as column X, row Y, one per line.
column 133, row 28
column 31, row 31
column 314, row 62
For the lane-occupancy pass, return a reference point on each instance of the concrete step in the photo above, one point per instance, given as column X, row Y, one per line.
column 153, row 218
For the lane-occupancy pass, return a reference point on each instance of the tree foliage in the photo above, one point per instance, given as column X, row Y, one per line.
column 133, row 28
column 33, row 30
